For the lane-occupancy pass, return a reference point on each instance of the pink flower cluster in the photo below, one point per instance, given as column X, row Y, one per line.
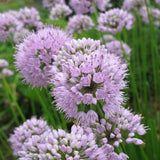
column 51, row 3
column 86, row 73
column 34, row 139
column 59, row 11
column 79, row 23
column 34, row 55
column 87, row 6
column 115, row 20
column 8, row 24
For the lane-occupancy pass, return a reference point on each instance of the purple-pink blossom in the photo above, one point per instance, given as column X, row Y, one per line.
column 34, row 55
column 115, row 20
column 79, row 23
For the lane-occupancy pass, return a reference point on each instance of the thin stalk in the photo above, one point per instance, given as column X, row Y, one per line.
column 13, row 98
column 1, row 155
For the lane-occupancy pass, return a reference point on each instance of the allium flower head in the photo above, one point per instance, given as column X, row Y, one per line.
column 6, row 72
column 51, row 3
column 86, row 73
column 119, row 126
column 22, row 133
column 118, row 48
column 114, row 20
column 86, row 6
column 130, row 5
column 8, row 24
column 34, row 55
column 59, row 11
column 154, row 14
column 30, row 18
column 19, row 36
column 79, row 23
column 3, row 63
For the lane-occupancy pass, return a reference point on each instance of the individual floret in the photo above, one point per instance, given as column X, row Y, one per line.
column 79, row 23
column 115, row 20
column 85, row 74
column 59, row 11
column 34, row 55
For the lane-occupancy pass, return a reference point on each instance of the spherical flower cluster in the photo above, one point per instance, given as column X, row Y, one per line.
column 35, row 140
column 118, row 126
column 8, row 24
column 51, row 3
column 86, row 6
column 34, row 55
column 86, row 73
column 59, row 11
column 3, row 70
column 130, row 5
column 79, row 23
column 119, row 48
column 3, row 63
column 114, row 20
column 154, row 15
column 22, row 133
column 18, row 36
column 30, row 18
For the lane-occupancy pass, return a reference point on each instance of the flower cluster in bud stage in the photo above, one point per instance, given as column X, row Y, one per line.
column 59, row 11
column 115, row 20
column 3, row 70
column 35, row 140
column 34, row 55
column 51, row 3
column 79, row 23
column 88, row 6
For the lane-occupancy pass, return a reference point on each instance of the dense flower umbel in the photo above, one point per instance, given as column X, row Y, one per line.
column 130, row 5
column 51, row 3
column 154, row 15
column 8, row 24
column 24, row 132
column 35, row 140
column 79, row 23
column 30, row 18
column 34, row 55
column 86, row 6
column 18, row 36
column 86, row 73
column 60, row 11
column 118, row 48
column 118, row 126
column 3, row 63
column 114, row 20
